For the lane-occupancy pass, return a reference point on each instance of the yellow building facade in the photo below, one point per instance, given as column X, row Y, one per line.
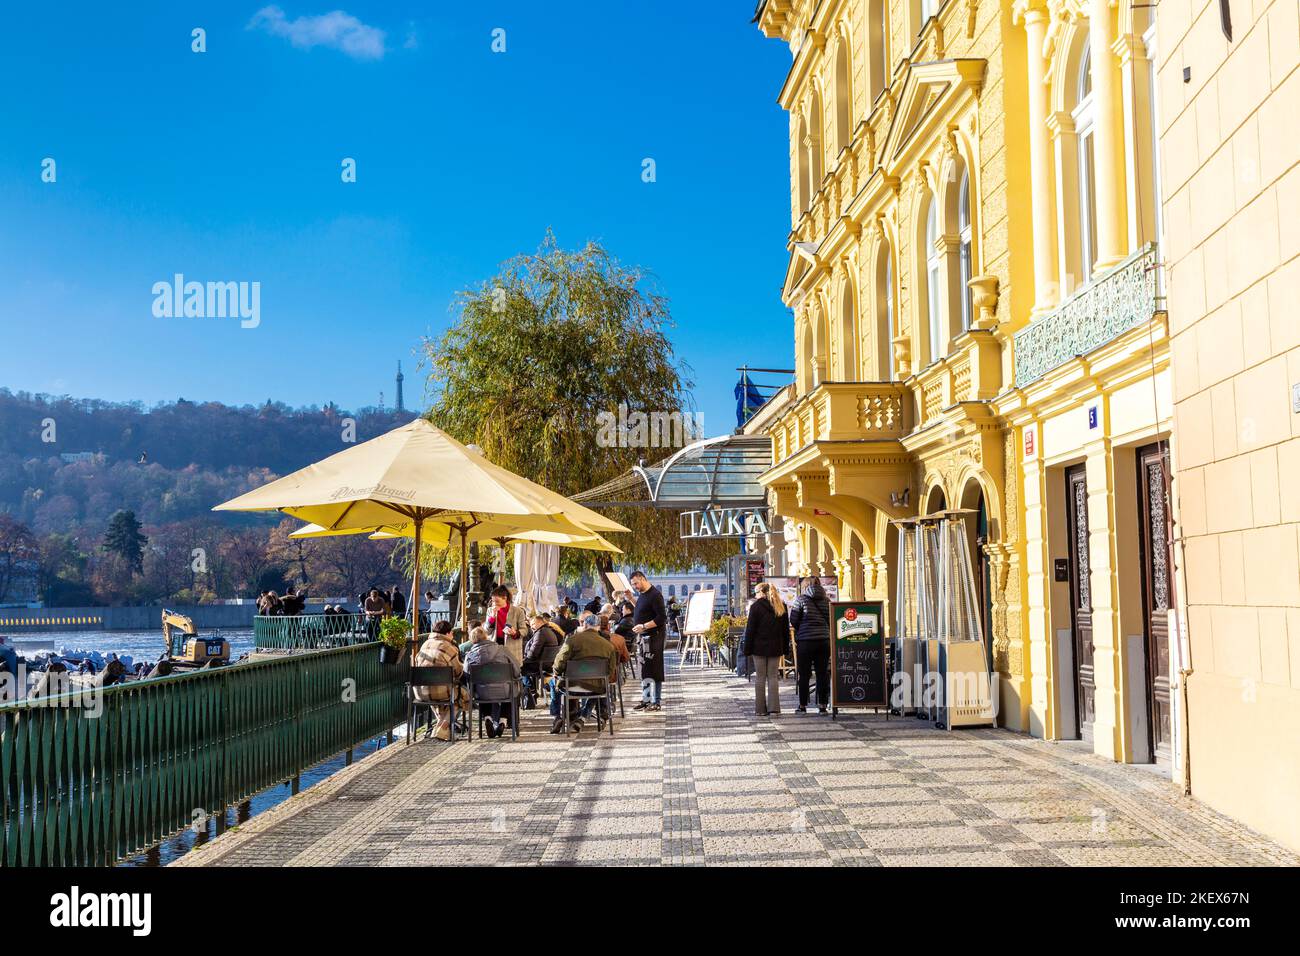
column 1230, row 149
column 975, row 215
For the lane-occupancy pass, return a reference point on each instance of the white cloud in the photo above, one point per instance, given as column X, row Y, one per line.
column 336, row 30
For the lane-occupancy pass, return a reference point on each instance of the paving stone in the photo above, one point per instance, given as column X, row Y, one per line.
column 704, row 782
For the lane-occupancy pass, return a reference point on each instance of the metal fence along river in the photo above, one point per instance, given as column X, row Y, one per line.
column 91, row 779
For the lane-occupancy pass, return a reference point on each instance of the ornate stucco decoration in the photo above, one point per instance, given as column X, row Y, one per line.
column 984, row 297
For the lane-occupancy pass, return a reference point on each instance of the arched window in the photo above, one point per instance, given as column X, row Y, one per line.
column 843, row 95
column 928, row 9
column 848, row 335
column 878, row 46
column 815, row 120
column 934, row 282
column 803, row 174
column 884, row 313
column 1085, row 126
column 964, row 235
column 807, row 360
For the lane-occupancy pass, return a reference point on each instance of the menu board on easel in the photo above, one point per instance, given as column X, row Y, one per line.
column 858, row 677
column 699, row 612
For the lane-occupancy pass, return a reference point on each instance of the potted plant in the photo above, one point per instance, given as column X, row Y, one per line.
column 394, row 635
column 723, row 637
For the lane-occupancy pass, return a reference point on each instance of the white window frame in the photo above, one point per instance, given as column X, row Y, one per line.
column 933, row 273
column 964, row 253
column 1085, row 128
column 889, row 314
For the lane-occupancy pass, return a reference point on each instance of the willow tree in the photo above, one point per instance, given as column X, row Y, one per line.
column 541, row 356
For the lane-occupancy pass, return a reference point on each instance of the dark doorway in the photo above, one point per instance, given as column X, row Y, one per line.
column 1076, row 503
column 1157, row 591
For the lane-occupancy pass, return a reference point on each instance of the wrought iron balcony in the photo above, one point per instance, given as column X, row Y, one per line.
column 1120, row 300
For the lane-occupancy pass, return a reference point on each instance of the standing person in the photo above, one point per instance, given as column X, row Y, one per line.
column 484, row 650
column 375, row 608
column 397, row 601
column 767, row 638
column 649, row 619
column 9, row 689
column 439, row 651
column 811, row 619
column 507, row 622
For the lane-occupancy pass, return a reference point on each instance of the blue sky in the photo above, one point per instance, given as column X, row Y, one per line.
column 225, row 166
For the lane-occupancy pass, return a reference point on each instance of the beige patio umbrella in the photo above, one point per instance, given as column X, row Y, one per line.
column 488, row 531
column 419, row 475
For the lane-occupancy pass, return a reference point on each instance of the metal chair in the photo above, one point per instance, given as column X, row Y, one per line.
column 429, row 677
column 587, row 671
column 483, row 675
column 546, row 668
column 616, row 692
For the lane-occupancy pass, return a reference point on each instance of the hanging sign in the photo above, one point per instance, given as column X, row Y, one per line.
column 858, row 676
column 723, row 522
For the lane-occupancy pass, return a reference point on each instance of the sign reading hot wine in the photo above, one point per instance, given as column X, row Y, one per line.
column 858, row 655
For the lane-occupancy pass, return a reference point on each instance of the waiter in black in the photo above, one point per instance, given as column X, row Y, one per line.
column 649, row 623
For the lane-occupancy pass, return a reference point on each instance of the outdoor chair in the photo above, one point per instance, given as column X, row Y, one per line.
column 588, row 671
column 429, row 677
column 494, row 673
column 546, row 668
column 616, row 693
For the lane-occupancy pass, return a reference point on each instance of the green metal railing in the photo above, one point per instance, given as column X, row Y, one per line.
column 314, row 632
column 311, row 632
column 84, row 790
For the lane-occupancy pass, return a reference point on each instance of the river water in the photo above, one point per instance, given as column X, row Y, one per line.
column 148, row 646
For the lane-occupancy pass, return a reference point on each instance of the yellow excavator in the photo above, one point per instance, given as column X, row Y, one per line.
column 187, row 649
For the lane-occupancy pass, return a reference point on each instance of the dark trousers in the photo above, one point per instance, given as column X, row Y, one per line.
column 815, row 654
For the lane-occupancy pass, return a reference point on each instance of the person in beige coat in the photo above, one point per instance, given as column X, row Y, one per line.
column 508, row 623
column 439, row 651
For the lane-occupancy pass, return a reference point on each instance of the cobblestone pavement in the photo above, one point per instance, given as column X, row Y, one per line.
column 704, row 781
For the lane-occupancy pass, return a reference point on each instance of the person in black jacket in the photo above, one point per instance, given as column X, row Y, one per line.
column 766, row 640
column 649, row 620
column 811, row 619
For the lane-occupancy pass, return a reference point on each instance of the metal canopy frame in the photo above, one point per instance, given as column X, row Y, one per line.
column 719, row 471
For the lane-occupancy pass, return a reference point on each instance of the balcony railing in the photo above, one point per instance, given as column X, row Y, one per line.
column 971, row 372
column 1120, row 300
column 842, row 411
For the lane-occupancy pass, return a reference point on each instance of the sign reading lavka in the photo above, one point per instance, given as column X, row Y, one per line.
column 723, row 522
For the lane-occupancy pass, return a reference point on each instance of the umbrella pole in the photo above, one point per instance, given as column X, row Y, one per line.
column 464, row 573
column 415, row 585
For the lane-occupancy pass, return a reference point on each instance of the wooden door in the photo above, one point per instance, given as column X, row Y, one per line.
column 1076, row 502
column 1157, row 591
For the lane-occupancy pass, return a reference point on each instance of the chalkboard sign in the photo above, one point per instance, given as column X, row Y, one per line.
column 858, row 655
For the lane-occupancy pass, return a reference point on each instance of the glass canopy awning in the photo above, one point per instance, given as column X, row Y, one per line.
column 720, row 471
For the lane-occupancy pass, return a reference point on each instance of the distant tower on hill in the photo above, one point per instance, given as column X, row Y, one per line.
column 400, row 406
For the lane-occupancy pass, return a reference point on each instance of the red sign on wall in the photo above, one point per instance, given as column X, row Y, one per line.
column 1029, row 443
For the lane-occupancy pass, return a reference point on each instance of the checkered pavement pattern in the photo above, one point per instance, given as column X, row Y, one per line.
column 704, row 782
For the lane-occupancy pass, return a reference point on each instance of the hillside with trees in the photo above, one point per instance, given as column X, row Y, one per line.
column 72, row 470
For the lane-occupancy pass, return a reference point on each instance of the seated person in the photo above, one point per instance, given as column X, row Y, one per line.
column 583, row 643
column 544, row 636
column 484, row 650
column 438, row 651
column 616, row 639
column 567, row 622
column 459, row 638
